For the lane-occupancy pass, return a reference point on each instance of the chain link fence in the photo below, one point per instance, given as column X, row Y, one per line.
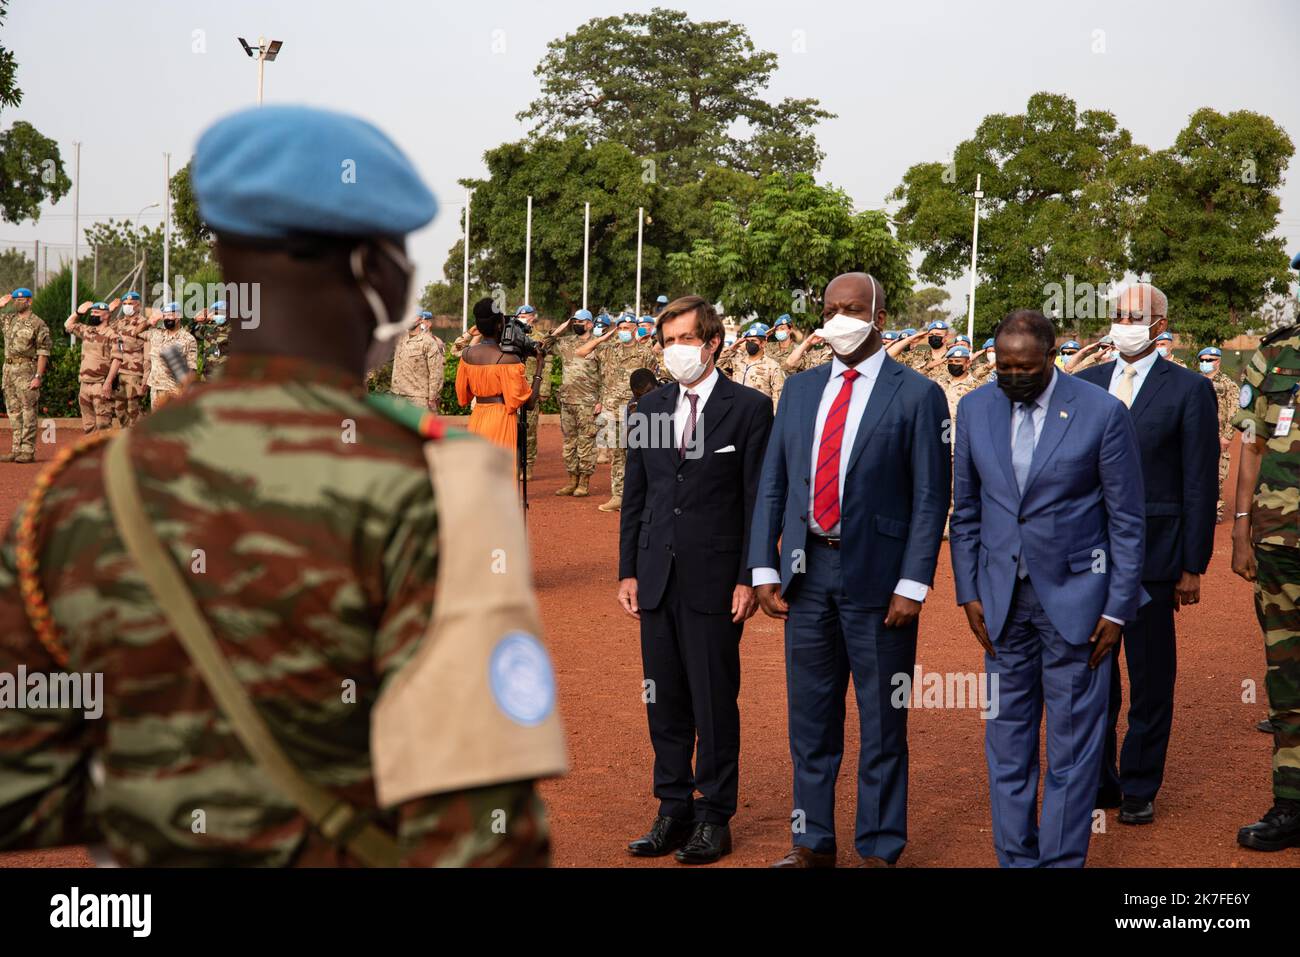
column 105, row 270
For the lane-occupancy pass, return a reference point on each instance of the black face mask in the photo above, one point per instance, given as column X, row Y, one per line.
column 955, row 370
column 169, row 323
column 579, row 328
column 751, row 348
column 92, row 320
column 1022, row 386
column 936, row 342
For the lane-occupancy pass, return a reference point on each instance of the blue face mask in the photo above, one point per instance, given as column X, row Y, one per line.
column 642, row 333
column 598, row 331
column 782, row 335
column 625, row 335
column 1207, row 366
column 1164, row 353
column 219, row 320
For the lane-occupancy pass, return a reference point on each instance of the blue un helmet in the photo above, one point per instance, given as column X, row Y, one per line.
column 217, row 312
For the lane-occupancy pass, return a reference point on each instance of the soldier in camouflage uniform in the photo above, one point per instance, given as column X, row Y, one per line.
column 305, row 521
column 754, row 368
column 1226, row 393
column 95, row 336
column 620, row 354
column 166, row 330
column 129, row 334
column 781, row 340
column 911, row 349
column 579, row 392
column 1266, row 551
column 808, row 354
column 212, row 330
column 419, row 364
column 27, row 353
column 526, row 315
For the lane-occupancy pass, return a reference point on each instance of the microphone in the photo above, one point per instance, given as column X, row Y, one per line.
column 174, row 357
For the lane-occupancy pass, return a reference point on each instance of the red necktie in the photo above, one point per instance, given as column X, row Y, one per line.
column 826, row 485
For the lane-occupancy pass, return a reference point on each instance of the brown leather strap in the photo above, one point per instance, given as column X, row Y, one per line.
column 491, row 399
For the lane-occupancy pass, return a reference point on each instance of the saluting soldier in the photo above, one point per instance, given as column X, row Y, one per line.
column 165, row 330
column 419, row 363
column 750, row 366
column 579, row 393
column 90, row 325
column 27, row 353
column 810, row 353
column 620, row 354
column 212, row 330
column 261, row 569
column 125, row 382
column 1226, row 394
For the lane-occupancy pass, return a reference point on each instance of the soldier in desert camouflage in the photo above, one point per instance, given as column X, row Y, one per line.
column 212, row 330
column 419, row 364
column 579, row 392
column 1226, row 394
column 808, row 354
column 747, row 364
column 124, row 385
column 90, row 325
column 308, row 529
column 620, row 354
column 27, row 353
column 165, row 330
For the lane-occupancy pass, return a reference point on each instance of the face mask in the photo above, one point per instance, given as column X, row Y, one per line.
column 598, row 331
column 383, row 340
column 751, row 348
column 1164, row 352
column 1130, row 340
column 782, row 335
column 169, row 323
column 128, row 310
column 642, row 333
column 993, row 356
column 684, row 362
column 1022, row 386
column 844, row 334
column 936, row 342
column 955, row 370
column 1207, row 366
column 219, row 320
column 625, row 335
column 579, row 328
column 92, row 320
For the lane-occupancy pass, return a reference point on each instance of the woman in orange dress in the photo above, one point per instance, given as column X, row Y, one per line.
column 495, row 381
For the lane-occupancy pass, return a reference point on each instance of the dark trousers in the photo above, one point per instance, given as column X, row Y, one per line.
column 1035, row 668
column 1149, row 649
column 692, row 661
column 828, row 637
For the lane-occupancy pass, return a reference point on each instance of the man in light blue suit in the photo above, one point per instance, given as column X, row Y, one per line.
column 1047, row 538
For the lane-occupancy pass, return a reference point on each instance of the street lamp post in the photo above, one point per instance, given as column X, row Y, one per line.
column 263, row 53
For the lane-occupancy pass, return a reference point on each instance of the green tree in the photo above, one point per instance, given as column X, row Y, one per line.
column 1052, row 215
column 31, row 169
column 123, row 244
column 674, row 92
column 1205, row 221
column 187, row 224
column 923, row 307
column 16, row 269
column 776, row 253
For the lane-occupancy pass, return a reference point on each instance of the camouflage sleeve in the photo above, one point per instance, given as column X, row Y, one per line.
column 1252, row 404
column 192, row 353
column 44, row 752
column 43, row 341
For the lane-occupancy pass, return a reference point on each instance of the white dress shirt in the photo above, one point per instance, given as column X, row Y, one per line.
column 1141, row 368
column 682, row 411
column 868, row 371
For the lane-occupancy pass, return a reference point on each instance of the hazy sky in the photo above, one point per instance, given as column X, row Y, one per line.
column 908, row 80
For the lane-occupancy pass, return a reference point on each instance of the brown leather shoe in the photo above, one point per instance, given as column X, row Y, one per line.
column 874, row 862
column 803, row 857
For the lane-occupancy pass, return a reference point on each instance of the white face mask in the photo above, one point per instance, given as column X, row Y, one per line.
column 1130, row 339
column 685, row 363
column 844, row 334
column 128, row 310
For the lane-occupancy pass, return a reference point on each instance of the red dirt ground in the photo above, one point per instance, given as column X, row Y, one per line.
column 1217, row 776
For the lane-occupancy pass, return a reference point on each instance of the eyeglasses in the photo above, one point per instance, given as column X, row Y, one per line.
column 1128, row 318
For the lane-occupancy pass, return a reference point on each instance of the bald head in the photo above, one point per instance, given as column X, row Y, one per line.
column 856, row 294
column 1142, row 301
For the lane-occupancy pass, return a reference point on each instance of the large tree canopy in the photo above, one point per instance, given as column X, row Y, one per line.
column 675, row 93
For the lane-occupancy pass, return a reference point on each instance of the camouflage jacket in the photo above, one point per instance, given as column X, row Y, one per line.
column 214, row 339
column 579, row 375
column 158, row 339
column 813, row 357
column 779, row 351
column 1227, row 394
column 617, row 363
column 954, row 389
column 96, row 344
column 306, row 521
column 1269, row 384
column 418, row 365
column 764, row 374
column 26, row 336
column 128, row 337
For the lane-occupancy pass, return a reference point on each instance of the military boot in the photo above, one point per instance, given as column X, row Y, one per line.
column 25, row 458
column 582, row 491
column 569, row 489
column 9, row 457
column 613, row 505
column 1278, row 829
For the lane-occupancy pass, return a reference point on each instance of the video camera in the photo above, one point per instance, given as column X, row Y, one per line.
column 515, row 338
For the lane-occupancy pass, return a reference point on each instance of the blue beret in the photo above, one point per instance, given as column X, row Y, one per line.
column 963, row 338
column 1295, row 261
column 889, row 336
column 22, row 292
column 782, row 320
column 988, row 344
column 131, row 296
column 662, row 300
column 626, row 317
column 1213, row 351
column 908, row 332
column 957, row 352
column 937, row 324
column 645, row 319
column 526, row 310
column 218, row 306
column 1070, row 344
column 1165, row 337
column 584, row 314
column 425, row 314
column 757, row 330
column 99, row 305
column 274, row 171
column 172, row 307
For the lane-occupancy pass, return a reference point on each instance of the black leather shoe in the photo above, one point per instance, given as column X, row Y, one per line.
column 1266, row 726
column 666, row 835
column 1137, row 811
column 1278, row 829
column 707, row 843
column 1108, row 798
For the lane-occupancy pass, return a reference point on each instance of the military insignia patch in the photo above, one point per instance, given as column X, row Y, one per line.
column 521, row 678
column 1246, row 396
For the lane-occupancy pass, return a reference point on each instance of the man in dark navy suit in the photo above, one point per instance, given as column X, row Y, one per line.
column 855, row 488
column 694, row 450
column 1175, row 413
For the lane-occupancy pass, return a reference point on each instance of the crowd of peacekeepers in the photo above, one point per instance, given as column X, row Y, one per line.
column 599, row 355
column 121, row 360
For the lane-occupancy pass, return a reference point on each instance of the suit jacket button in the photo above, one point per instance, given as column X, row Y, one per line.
column 681, row 478
column 1015, row 558
column 804, row 518
column 677, row 511
column 1021, row 520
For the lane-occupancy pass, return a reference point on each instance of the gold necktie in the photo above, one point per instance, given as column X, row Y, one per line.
column 1125, row 390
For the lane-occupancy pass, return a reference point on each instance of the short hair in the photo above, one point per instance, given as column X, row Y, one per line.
column 1154, row 303
column 707, row 323
column 1029, row 322
column 487, row 318
column 642, row 381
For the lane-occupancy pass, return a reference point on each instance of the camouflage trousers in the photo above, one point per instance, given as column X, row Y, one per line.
column 533, row 418
column 419, row 400
column 21, row 402
column 1277, row 604
column 579, row 427
column 96, row 411
column 1225, row 459
column 128, row 399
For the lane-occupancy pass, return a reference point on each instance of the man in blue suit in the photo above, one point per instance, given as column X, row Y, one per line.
column 1175, row 412
column 1047, row 538
column 855, row 487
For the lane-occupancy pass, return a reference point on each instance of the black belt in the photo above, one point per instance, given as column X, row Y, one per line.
column 824, row 540
column 490, row 398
